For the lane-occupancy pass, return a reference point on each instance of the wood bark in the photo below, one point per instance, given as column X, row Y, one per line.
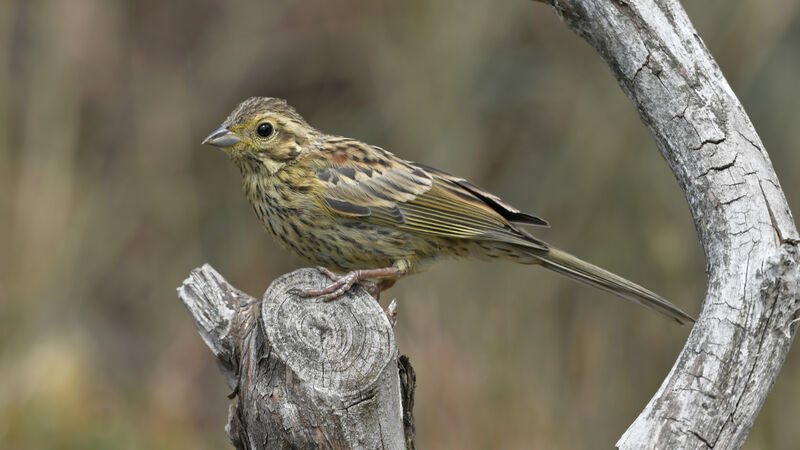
column 733, row 355
column 304, row 374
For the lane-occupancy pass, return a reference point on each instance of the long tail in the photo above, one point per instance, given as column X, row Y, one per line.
column 562, row 262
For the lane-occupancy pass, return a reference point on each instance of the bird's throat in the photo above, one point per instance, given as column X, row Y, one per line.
column 250, row 165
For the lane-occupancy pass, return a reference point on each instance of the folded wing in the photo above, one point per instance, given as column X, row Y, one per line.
column 380, row 188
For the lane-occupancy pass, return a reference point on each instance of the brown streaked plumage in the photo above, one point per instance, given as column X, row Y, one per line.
column 357, row 209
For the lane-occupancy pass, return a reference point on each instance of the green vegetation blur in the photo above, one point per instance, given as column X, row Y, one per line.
column 108, row 200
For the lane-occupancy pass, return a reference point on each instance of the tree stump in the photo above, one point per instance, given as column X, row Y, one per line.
column 304, row 373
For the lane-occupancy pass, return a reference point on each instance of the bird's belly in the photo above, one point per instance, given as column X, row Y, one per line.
column 343, row 246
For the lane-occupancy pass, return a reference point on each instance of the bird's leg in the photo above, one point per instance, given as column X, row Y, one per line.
column 343, row 283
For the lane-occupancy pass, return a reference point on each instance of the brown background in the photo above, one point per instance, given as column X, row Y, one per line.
column 108, row 200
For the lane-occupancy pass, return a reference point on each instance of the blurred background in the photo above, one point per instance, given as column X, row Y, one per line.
column 108, row 200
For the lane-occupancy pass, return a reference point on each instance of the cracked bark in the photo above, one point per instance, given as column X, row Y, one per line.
column 304, row 374
column 733, row 355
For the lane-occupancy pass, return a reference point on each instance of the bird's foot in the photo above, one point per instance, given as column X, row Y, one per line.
column 343, row 283
column 340, row 285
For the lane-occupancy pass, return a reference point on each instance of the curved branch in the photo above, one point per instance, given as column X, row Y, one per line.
column 734, row 353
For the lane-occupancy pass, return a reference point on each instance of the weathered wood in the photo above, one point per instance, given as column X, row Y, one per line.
column 305, row 374
column 734, row 353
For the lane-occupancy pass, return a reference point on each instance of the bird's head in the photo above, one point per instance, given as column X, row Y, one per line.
column 264, row 132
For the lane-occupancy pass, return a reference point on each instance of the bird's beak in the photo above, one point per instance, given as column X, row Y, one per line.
column 221, row 137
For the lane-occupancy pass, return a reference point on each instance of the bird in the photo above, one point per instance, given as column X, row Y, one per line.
column 363, row 215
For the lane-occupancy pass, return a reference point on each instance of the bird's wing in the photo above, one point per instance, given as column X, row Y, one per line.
column 369, row 183
column 504, row 209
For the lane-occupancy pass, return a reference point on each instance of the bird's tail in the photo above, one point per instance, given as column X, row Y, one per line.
column 570, row 266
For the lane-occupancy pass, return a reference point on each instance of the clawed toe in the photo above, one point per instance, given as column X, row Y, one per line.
column 340, row 285
column 325, row 271
column 343, row 283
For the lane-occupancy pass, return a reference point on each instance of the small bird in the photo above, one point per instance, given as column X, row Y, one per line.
column 356, row 209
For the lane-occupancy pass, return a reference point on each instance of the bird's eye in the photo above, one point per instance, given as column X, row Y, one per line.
column 265, row 129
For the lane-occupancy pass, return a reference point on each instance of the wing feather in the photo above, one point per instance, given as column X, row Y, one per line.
column 371, row 184
column 507, row 211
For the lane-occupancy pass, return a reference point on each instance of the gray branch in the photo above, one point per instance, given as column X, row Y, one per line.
column 734, row 353
column 305, row 374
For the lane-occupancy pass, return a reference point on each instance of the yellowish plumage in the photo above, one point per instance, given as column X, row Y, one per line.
column 352, row 207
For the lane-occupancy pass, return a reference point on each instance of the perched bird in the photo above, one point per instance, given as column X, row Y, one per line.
column 359, row 210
